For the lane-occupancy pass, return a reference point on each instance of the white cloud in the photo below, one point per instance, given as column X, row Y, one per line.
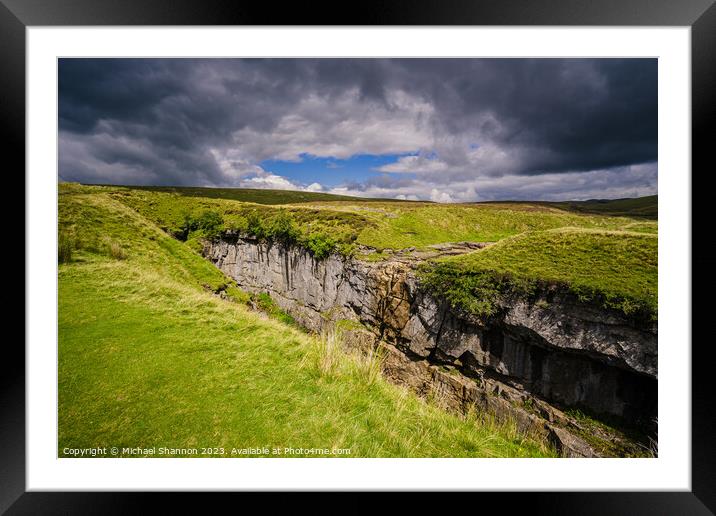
column 631, row 181
column 270, row 181
column 314, row 187
column 340, row 128
column 437, row 196
column 464, row 129
column 415, row 164
column 234, row 165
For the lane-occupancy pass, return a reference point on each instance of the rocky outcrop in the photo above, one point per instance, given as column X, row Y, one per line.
column 550, row 349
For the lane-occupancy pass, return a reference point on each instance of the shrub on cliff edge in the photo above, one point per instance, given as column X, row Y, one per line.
column 613, row 269
column 283, row 229
column 320, row 245
column 209, row 222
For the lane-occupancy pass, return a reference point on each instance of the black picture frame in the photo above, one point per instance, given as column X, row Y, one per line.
column 700, row 15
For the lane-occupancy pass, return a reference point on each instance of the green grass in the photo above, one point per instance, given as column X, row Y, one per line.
column 421, row 226
column 323, row 231
column 617, row 269
column 613, row 266
column 641, row 207
column 378, row 224
column 150, row 357
column 252, row 195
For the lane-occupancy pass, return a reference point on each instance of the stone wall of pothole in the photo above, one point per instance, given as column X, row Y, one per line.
column 540, row 362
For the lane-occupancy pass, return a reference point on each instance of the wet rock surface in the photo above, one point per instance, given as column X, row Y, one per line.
column 550, row 349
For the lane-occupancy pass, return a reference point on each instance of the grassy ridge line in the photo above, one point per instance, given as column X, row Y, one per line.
column 253, row 195
column 617, row 269
column 309, row 227
column 326, row 227
column 379, row 224
column 640, row 207
column 91, row 234
column 428, row 225
column 148, row 357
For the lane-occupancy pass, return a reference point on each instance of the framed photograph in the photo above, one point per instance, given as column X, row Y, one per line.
column 420, row 249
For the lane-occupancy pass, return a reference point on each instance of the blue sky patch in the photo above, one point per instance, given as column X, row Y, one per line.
column 330, row 171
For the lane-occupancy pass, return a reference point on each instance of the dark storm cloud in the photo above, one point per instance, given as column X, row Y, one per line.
column 567, row 114
column 211, row 121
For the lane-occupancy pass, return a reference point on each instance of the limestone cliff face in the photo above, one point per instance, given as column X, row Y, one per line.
column 552, row 346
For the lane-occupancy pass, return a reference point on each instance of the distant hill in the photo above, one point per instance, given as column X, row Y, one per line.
column 255, row 195
column 637, row 207
column 643, row 207
column 592, row 234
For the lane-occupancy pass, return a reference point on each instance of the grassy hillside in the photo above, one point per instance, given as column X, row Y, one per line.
column 617, row 269
column 347, row 224
column 422, row 226
column 150, row 356
column 255, row 195
column 642, row 207
column 613, row 266
column 181, row 216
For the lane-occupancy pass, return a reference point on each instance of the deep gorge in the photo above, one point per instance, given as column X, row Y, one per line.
column 533, row 362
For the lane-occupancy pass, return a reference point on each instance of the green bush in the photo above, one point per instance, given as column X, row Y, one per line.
column 237, row 223
column 266, row 304
column 283, row 229
column 116, row 251
column 237, row 295
column 476, row 293
column 65, row 246
column 210, row 223
column 194, row 241
column 320, row 245
column 255, row 226
column 347, row 250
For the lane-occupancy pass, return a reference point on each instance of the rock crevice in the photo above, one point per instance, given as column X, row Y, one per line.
column 550, row 347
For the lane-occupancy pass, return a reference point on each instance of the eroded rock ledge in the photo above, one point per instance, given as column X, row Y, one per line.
column 539, row 356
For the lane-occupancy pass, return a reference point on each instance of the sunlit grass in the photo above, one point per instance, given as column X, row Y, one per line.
column 150, row 357
column 618, row 269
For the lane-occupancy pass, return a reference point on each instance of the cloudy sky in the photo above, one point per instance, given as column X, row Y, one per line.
column 447, row 130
